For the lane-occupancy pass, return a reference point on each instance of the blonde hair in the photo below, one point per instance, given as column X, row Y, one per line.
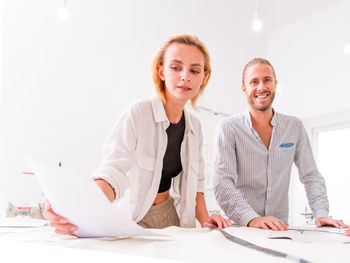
column 159, row 60
column 255, row 61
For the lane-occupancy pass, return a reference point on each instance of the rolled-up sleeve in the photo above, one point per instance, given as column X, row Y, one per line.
column 118, row 154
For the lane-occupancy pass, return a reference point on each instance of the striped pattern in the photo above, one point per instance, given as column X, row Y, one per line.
column 251, row 181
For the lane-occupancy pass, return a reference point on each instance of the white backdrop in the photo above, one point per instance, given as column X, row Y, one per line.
column 65, row 83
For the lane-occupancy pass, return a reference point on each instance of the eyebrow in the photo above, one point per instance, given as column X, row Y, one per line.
column 265, row 77
column 180, row 62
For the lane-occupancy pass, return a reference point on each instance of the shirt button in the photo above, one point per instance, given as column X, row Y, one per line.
column 269, row 188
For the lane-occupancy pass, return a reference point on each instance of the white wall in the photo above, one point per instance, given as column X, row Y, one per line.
column 310, row 63
column 64, row 84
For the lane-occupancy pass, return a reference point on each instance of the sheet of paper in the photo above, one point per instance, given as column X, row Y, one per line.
column 314, row 228
column 22, row 221
column 311, row 234
column 74, row 195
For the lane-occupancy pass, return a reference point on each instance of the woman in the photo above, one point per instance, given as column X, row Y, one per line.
column 153, row 156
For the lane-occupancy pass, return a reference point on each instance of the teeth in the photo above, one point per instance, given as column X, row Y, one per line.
column 262, row 96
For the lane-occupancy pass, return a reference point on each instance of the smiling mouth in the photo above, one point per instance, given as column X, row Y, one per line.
column 262, row 96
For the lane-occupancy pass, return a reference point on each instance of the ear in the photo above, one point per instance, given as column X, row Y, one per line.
column 243, row 88
column 160, row 70
column 204, row 77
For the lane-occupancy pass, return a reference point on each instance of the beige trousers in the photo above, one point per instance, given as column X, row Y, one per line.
column 161, row 215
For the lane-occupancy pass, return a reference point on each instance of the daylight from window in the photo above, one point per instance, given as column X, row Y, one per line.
column 333, row 159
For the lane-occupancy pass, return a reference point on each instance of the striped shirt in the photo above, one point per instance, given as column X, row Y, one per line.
column 252, row 181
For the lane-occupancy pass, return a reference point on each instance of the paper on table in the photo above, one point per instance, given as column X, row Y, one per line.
column 311, row 235
column 22, row 222
column 75, row 196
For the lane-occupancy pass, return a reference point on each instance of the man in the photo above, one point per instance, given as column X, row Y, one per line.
column 253, row 157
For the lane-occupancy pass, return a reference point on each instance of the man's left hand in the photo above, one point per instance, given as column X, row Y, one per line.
column 327, row 221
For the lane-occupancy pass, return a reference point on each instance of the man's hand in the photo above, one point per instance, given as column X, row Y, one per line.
column 347, row 232
column 267, row 222
column 326, row 221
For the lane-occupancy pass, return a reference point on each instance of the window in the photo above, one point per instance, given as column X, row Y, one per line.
column 333, row 159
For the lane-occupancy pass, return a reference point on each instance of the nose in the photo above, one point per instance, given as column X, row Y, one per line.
column 260, row 86
column 185, row 76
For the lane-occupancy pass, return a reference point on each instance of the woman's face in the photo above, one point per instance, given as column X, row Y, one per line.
column 182, row 71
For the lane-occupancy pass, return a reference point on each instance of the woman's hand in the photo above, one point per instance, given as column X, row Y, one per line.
column 61, row 224
column 216, row 221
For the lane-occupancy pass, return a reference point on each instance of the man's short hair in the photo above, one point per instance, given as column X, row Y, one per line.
column 257, row 61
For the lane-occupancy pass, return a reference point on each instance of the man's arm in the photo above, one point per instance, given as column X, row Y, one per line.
column 309, row 175
column 224, row 176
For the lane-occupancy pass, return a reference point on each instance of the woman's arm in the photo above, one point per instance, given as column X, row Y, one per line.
column 106, row 188
column 213, row 221
column 201, row 209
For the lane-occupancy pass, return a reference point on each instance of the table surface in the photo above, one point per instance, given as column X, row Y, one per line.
column 177, row 244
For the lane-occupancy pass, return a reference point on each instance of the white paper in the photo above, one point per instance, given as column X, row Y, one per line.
column 75, row 196
column 22, row 221
column 312, row 234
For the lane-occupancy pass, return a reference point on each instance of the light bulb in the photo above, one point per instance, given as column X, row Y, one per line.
column 347, row 48
column 257, row 24
column 63, row 13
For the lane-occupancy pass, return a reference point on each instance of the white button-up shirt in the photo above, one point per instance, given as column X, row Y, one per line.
column 133, row 155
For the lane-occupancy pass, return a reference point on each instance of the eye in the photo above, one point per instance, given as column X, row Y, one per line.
column 267, row 80
column 175, row 68
column 254, row 82
column 194, row 71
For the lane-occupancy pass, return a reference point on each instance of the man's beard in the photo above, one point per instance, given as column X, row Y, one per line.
column 261, row 108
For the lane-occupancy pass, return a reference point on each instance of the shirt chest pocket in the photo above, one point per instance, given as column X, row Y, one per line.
column 285, row 155
column 146, row 163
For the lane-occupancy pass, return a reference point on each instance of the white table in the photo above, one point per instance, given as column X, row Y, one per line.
column 190, row 245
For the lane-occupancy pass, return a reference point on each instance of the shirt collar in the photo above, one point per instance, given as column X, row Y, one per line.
column 275, row 121
column 160, row 115
column 158, row 110
column 188, row 122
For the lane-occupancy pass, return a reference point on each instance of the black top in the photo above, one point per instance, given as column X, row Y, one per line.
column 172, row 160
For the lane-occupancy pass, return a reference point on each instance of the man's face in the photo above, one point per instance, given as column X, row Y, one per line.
column 259, row 86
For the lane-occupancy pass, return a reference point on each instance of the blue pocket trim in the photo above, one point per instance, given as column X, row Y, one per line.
column 286, row 145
